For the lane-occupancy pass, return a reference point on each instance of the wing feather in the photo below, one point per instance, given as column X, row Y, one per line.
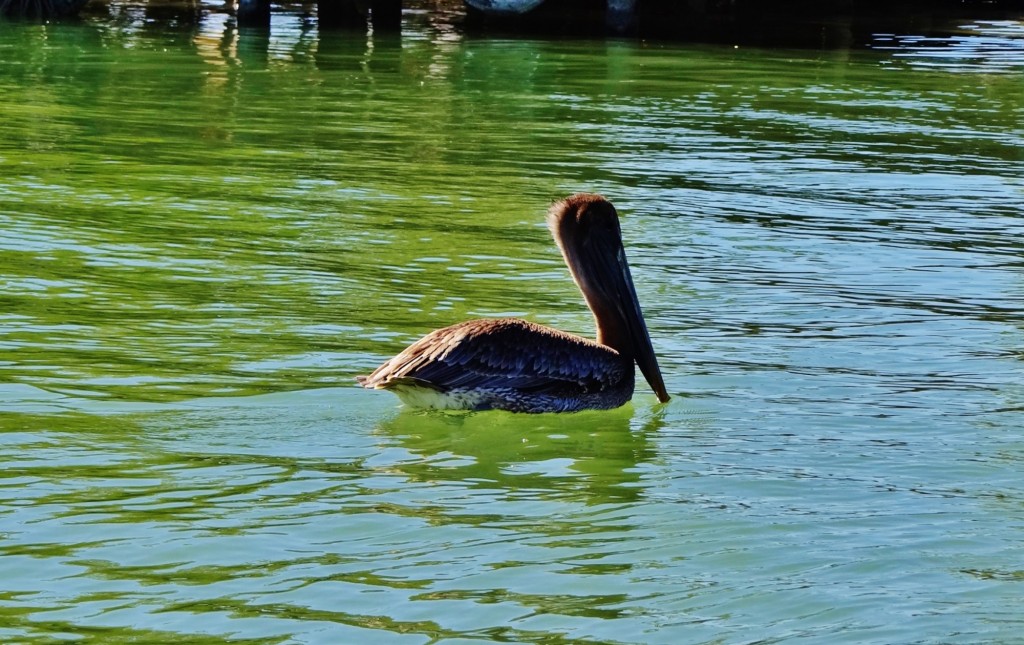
column 503, row 353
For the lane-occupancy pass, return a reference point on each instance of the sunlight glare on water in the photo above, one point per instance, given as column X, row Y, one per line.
column 207, row 233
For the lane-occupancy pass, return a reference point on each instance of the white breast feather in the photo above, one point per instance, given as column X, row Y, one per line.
column 429, row 398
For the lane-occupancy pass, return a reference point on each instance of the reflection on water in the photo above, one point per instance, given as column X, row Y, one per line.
column 593, row 458
column 988, row 47
column 206, row 232
column 432, row 510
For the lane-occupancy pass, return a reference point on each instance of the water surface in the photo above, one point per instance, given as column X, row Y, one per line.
column 206, row 234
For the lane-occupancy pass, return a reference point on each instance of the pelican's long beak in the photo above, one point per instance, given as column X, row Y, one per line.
column 629, row 309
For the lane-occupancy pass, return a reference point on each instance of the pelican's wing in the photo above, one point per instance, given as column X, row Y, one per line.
column 502, row 353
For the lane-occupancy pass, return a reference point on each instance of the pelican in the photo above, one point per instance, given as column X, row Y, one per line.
column 520, row 366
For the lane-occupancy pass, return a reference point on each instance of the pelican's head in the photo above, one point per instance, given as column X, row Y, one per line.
column 586, row 229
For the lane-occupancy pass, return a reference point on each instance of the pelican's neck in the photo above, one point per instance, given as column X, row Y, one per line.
column 586, row 229
column 612, row 330
column 611, row 325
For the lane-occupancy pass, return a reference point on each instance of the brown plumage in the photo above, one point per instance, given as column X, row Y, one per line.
column 516, row 365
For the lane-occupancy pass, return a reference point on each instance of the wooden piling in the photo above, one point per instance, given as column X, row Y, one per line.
column 620, row 15
column 343, row 14
column 386, row 15
column 253, row 13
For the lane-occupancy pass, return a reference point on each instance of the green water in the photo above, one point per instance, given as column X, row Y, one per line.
column 205, row 235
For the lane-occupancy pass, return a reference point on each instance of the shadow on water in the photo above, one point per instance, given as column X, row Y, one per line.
column 759, row 23
column 811, row 24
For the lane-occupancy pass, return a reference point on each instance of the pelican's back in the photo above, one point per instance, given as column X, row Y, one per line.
column 507, row 364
